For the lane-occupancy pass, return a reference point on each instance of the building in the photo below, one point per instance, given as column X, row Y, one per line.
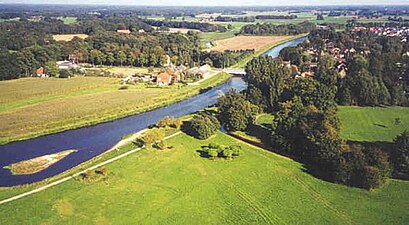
column 66, row 65
column 40, row 72
column 164, row 79
column 123, row 31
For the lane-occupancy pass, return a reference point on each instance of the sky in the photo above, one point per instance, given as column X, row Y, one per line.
column 216, row 2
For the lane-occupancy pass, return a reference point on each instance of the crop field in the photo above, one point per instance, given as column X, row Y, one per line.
column 32, row 107
column 247, row 42
column 68, row 37
column 177, row 186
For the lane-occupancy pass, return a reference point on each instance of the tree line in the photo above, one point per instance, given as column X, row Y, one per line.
column 272, row 29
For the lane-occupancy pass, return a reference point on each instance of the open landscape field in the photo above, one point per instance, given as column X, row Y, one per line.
column 177, row 186
column 32, row 107
column 247, row 42
column 368, row 124
column 68, row 37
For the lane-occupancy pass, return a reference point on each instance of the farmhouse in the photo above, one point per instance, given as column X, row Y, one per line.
column 164, row 79
column 66, row 65
column 40, row 72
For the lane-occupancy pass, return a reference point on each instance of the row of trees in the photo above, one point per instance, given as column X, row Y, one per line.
column 204, row 27
column 272, row 29
column 110, row 48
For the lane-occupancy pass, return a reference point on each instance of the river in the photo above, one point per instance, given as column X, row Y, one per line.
column 93, row 140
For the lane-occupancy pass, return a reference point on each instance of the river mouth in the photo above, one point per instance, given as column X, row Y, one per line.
column 96, row 139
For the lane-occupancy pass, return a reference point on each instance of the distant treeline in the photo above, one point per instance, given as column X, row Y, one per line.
column 235, row 19
column 276, row 17
column 205, row 27
column 272, row 29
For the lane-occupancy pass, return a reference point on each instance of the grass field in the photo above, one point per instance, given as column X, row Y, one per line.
column 373, row 124
column 68, row 19
column 177, row 186
column 68, row 37
column 247, row 42
column 31, row 107
column 367, row 124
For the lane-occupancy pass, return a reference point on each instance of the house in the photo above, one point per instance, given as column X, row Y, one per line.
column 164, row 79
column 205, row 71
column 40, row 72
column 66, row 65
column 123, row 31
column 141, row 31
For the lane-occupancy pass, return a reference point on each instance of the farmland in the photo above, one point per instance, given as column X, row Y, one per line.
column 32, row 107
column 247, row 42
column 170, row 186
column 68, row 37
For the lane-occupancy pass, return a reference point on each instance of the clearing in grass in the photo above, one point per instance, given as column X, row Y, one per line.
column 68, row 37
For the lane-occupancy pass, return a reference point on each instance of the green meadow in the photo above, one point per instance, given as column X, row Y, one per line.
column 178, row 186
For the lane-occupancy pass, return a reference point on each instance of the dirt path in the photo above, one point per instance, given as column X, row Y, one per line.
column 11, row 199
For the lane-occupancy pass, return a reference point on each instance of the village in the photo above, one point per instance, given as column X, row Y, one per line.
column 168, row 74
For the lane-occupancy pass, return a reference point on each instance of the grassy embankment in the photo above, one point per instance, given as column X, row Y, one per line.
column 32, row 107
column 177, row 186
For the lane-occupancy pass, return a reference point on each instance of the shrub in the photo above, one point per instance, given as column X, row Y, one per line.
column 152, row 137
column 87, row 174
column 371, row 177
column 160, row 145
column 124, row 87
column 227, row 153
column 64, row 74
column 103, row 171
column 213, row 153
column 400, row 154
column 169, row 122
column 202, row 126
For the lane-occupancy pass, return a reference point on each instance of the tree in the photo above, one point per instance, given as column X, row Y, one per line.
column 235, row 111
column 152, row 137
column 213, row 153
column 266, row 80
column 202, row 126
column 320, row 17
column 51, row 69
column 400, row 154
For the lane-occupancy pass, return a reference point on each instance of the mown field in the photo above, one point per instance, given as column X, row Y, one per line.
column 177, row 186
column 32, row 107
column 247, row 42
column 367, row 124
column 373, row 123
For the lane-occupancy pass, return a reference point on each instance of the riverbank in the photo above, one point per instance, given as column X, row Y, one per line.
column 54, row 115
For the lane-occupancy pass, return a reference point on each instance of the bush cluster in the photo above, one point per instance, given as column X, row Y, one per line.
column 213, row 151
column 169, row 122
column 202, row 126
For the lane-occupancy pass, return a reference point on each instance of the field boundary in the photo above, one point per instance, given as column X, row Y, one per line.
column 62, row 180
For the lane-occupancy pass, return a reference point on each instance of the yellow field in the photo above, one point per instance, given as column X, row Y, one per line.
column 31, row 106
column 68, row 37
column 247, row 42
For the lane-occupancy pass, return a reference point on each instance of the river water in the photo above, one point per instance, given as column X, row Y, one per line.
column 93, row 140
